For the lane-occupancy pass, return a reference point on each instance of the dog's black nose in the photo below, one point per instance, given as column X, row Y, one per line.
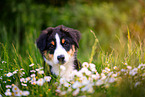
column 61, row 58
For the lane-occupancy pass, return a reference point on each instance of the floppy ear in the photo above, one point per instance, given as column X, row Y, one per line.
column 74, row 34
column 41, row 41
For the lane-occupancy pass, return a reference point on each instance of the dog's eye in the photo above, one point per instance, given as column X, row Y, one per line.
column 66, row 44
column 51, row 45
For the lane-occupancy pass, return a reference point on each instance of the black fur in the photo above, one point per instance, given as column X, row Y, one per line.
column 68, row 33
column 41, row 41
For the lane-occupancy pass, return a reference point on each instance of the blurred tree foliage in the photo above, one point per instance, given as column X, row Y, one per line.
column 22, row 20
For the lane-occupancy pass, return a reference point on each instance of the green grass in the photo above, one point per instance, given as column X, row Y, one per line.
column 117, row 39
column 130, row 53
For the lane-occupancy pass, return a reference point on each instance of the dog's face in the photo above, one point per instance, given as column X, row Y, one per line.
column 58, row 45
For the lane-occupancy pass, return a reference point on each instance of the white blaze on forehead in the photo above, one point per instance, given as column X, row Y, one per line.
column 57, row 40
column 69, row 65
column 59, row 50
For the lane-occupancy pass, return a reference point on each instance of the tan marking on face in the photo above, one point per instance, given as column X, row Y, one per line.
column 47, row 55
column 63, row 40
column 73, row 48
column 71, row 51
column 52, row 43
column 45, row 52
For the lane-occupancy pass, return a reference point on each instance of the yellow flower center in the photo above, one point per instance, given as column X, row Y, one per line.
column 15, row 88
column 16, row 92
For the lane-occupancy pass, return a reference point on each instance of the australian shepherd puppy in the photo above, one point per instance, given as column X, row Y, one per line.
column 58, row 46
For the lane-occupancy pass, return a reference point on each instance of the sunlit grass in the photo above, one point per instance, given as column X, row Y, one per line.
column 117, row 73
column 116, row 52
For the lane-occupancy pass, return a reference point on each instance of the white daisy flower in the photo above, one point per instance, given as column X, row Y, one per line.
column 115, row 67
column 133, row 72
column 15, row 72
column 33, row 79
column 107, row 69
column 22, row 79
column 62, row 68
column 41, row 72
column 4, row 62
column 63, row 93
column 8, row 93
column 8, row 90
column 23, row 84
column 124, row 63
column 136, row 84
column 37, row 69
column 25, row 81
column 76, row 85
column 25, row 93
column 62, row 80
column 21, row 69
column 109, row 74
column 114, row 75
column 9, row 74
column 104, row 71
column 111, row 80
column 15, row 89
column 67, row 84
column 76, row 92
column 95, row 77
column 129, row 67
column 141, row 65
column 88, row 87
column 88, row 72
column 8, row 86
column 93, row 69
column 23, row 72
column 47, row 78
column 18, row 93
column 92, row 65
column 103, row 76
column 33, row 82
column 31, row 65
column 32, row 71
column 85, row 81
column 99, row 83
column 90, row 90
column 58, row 90
column 40, row 81
column 83, row 70
column 41, row 68
column 33, row 75
column 28, row 78
column 143, row 74
column 85, row 64
column 69, row 89
column 123, row 70
column 4, row 81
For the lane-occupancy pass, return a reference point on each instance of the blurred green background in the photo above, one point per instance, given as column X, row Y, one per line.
column 21, row 22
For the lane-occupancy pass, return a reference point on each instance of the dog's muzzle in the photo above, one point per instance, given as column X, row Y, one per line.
column 61, row 59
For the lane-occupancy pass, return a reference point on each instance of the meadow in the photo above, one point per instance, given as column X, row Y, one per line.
column 111, row 48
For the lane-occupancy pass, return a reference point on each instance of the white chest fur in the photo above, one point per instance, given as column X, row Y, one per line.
column 69, row 67
column 68, row 59
column 65, row 73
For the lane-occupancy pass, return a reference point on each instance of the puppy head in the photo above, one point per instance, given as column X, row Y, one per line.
column 58, row 45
